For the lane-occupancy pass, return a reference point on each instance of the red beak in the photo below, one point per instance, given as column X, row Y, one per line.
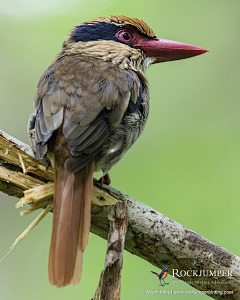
column 166, row 50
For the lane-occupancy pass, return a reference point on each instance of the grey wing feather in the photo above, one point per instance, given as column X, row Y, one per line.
column 88, row 109
column 86, row 139
column 73, row 164
column 93, row 136
column 85, row 131
column 54, row 121
column 97, row 143
column 42, row 133
column 72, row 130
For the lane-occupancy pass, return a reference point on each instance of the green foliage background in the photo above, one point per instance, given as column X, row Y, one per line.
column 187, row 162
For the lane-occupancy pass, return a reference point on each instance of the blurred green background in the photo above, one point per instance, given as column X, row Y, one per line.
column 186, row 165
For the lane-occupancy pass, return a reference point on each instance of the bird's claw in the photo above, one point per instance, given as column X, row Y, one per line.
column 105, row 180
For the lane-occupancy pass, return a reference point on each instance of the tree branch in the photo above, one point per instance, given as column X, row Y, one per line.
column 151, row 235
column 110, row 279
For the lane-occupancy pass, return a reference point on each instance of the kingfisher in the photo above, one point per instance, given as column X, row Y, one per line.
column 162, row 275
column 91, row 105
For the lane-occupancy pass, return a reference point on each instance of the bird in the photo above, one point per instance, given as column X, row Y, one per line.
column 91, row 105
column 162, row 275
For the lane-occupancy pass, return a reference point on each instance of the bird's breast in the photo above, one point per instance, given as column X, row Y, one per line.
column 124, row 136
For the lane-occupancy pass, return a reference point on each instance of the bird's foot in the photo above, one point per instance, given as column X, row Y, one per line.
column 105, row 179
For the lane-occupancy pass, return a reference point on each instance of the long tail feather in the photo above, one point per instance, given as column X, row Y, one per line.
column 71, row 223
column 154, row 272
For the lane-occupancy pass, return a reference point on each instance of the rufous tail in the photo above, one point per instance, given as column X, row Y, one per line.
column 71, row 222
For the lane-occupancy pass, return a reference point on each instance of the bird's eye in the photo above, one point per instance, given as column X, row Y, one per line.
column 124, row 36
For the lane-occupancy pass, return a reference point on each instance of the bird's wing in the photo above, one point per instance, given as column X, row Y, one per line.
column 88, row 98
column 161, row 274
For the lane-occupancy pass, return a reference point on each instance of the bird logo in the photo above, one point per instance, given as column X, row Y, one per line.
column 162, row 275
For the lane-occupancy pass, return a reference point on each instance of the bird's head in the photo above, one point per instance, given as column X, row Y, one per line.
column 165, row 268
column 128, row 42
